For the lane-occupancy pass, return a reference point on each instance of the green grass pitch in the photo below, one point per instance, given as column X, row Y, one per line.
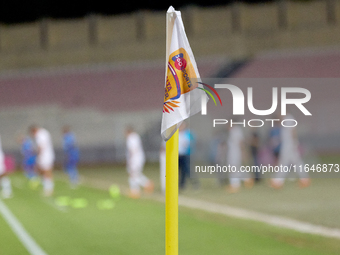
column 137, row 226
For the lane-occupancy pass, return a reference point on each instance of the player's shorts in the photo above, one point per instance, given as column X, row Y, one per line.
column 45, row 164
column 71, row 161
column 135, row 166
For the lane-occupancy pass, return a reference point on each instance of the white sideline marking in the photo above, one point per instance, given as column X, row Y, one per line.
column 278, row 221
column 32, row 247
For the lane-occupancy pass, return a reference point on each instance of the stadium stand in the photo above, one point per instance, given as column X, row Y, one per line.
column 97, row 101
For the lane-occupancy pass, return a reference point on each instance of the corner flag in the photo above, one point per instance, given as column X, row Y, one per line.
column 181, row 100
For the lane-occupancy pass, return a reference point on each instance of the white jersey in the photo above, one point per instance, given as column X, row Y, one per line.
column 234, row 154
column 135, row 152
column 44, row 143
column 2, row 160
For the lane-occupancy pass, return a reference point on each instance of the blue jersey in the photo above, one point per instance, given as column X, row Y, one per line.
column 70, row 148
column 187, row 142
column 192, row 143
column 29, row 152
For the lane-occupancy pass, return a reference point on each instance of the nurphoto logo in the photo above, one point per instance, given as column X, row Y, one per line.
column 238, row 104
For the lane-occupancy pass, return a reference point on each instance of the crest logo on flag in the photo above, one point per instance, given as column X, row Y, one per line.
column 178, row 82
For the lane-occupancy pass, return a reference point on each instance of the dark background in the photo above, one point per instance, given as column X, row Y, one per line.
column 18, row 11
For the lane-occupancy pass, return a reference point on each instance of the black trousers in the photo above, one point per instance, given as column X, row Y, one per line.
column 184, row 169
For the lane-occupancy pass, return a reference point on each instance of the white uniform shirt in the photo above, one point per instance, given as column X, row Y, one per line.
column 44, row 142
column 135, row 152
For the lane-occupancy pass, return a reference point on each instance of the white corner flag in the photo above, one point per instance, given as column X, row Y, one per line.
column 181, row 99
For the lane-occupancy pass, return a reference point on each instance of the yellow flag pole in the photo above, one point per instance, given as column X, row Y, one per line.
column 171, row 196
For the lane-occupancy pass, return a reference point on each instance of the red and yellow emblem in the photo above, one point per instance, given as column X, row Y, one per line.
column 178, row 80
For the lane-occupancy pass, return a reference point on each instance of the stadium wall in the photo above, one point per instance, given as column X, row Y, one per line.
column 100, row 135
column 236, row 30
column 97, row 101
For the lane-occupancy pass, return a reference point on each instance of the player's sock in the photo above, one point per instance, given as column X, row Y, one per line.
column 235, row 185
column 276, row 183
column 143, row 180
column 48, row 186
column 134, row 187
column 235, row 182
column 133, row 183
column 74, row 177
column 6, row 187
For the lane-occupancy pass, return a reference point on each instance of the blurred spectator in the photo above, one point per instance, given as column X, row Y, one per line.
column 135, row 160
column 71, row 156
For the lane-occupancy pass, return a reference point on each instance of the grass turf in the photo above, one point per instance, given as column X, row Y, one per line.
column 137, row 227
column 9, row 243
column 317, row 204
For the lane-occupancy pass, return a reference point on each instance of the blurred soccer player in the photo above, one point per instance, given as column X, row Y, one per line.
column 5, row 182
column 254, row 150
column 186, row 146
column 275, row 141
column 45, row 157
column 220, row 159
column 135, row 160
column 235, row 155
column 184, row 154
column 29, row 153
column 289, row 154
column 71, row 156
